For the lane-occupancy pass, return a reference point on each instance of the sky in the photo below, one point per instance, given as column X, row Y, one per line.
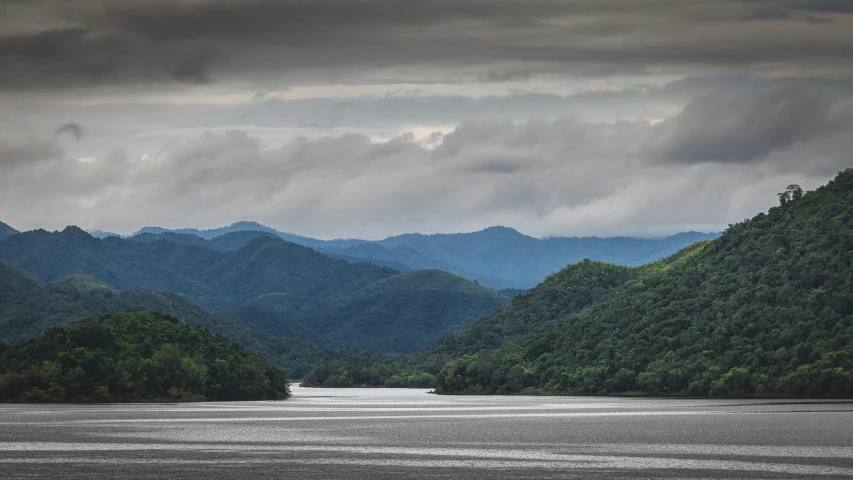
column 370, row 118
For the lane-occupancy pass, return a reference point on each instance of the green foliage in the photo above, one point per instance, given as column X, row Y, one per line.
column 132, row 356
column 765, row 310
column 400, row 314
column 560, row 295
column 15, row 282
column 28, row 308
column 338, row 374
column 270, row 285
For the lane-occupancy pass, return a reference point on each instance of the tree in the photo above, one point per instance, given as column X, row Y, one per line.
column 792, row 193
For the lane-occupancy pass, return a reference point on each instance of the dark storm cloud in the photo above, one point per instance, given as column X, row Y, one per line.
column 742, row 124
column 85, row 42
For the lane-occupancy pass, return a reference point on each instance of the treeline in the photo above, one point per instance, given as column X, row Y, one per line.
column 337, row 373
column 133, row 356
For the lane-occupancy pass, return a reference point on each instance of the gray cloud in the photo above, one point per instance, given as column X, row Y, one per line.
column 559, row 117
column 543, row 176
column 72, row 129
column 743, row 124
column 85, row 42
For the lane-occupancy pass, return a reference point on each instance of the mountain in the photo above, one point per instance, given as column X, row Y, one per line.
column 400, row 314
column 501, row 257
column 497, row 257
column 207, row 277
column 250, row 227
column 562, row 294
column 766, row 309
column 6, row 231
column 27, row 308
column 133, row 356
column 15, row 282
column 271, row 285
column 227, row 242
column 102, row 234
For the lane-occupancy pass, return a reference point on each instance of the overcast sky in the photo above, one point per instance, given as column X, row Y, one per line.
column 369, row 118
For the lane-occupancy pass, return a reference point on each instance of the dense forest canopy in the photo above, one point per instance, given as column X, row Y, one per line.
column 133, row 356
column 326, row 308
column 28, row 307
column 766, row 310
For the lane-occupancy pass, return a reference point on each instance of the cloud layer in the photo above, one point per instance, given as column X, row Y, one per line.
column 543, row 176
column 84, row 42
column 322, row 117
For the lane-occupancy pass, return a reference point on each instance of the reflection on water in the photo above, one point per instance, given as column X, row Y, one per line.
column 395, row 433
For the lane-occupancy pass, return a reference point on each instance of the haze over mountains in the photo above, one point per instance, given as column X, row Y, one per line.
column 497, row 257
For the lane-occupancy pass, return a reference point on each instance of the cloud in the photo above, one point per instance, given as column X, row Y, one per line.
column 72, row 129
column 543, row 176
column 80, row 42
column 17, row 152
column 744, row 124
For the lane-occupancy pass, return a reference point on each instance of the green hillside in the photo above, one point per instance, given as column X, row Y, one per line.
column 559, row 296
column 15, row 282
column 133, row 356
column 400, row 314
column 766, row 309
column 36, row 307
column 269, row 285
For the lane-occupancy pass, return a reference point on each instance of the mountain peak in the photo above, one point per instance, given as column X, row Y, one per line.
column 502, row 230
column 76, row 231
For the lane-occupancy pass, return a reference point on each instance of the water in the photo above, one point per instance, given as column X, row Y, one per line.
column 390, row 433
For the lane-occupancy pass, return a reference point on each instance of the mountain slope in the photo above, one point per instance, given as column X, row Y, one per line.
column 269, row 284
column 399, row 314
column 6, row 231
column 133, row 356
column 766, row 309
column 15, row 282
column 501, row 257
column 28, row 311
column 207, row 277
column 561, row 295
column 227, row 242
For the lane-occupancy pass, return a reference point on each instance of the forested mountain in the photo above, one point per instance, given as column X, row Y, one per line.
column 400, row 314
column 497, row 257
column 278, row 287
column 501, row 257
column 6, row 231
column 562, row 294
column 27, row 308
column 207, row 277
column 251, row 227
column 133, row 356
column 766, row 309
column 227, row 242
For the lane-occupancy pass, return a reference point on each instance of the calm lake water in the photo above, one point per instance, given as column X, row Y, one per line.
column 391, row 433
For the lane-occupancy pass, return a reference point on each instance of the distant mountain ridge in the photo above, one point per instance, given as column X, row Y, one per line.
column 6, row 231
column 497, row 257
